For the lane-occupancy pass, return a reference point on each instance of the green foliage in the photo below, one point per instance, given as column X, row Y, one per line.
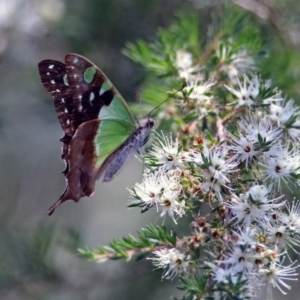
column 29, row 254
column 158, row 57
column 148, row 239
column 195, row 286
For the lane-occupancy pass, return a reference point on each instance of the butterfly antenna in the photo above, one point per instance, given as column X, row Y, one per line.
column 140, row 99
column 173, row 94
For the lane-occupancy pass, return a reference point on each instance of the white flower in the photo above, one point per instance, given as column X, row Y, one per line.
column 259, row 131
column 234, row 63
column 160, row 189
column 241, row 63
column 276, row 274
column 172, row 261
column 199, row 91
column 292, row 218
column 287, row 116
column 197, row 156
column 239, row 260
column 149, row 190
column 194, row 156
column 243, row 211
column 198, row 97
column 184, row 65
column 248, row 92
column 222, row 274
column 184, row 60
column 279, row 235
column 217, row 169
column 169, row 204
column 219, row 165
column 166, row 152
column 211, row 184
column 282, row 163
column 245, row 237
column 255, row 137
column 259, row 193
column 253, row 206
column 244, row 149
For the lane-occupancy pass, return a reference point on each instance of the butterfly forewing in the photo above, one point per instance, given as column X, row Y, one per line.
column 93, row 90
column 53, row 74
column 54, row 78
column 86, row 83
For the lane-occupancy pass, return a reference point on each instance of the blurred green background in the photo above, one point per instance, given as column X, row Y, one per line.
column 39, row 253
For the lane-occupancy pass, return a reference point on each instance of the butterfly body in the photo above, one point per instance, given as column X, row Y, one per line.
column 101, row 133
column 132, row 145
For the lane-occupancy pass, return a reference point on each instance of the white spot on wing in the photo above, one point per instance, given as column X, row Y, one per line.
column 51, row 67
column 92, row 96
column 63, row 100
column 58, row 90
column 102, row 91
column 75, row 60
column 66, row 111
column 52, row 81
column 48, row 73
column 80, row 107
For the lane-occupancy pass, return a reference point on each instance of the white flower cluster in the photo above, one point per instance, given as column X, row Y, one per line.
column 216, row 168
column 266, row 138
column 160, row 189
column 261, row 231
column 197, row 95
column 240, row 173
column 265, row 232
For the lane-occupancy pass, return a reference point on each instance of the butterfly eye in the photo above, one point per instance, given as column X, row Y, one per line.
column 150, row 123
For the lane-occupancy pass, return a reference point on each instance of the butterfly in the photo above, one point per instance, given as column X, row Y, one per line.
column 100, row 131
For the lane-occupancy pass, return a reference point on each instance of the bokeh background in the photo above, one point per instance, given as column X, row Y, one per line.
column 38, row 254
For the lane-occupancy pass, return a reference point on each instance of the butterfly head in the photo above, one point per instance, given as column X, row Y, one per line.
column 147, row 124
column 150, row 123
column 145, row 129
